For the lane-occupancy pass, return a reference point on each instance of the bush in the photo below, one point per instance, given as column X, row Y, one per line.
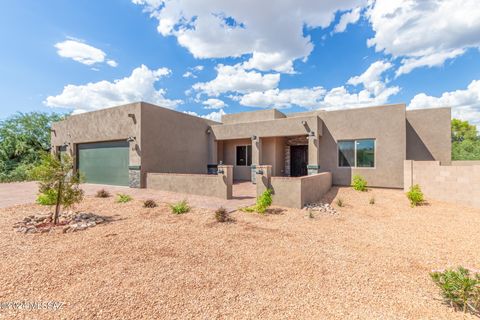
column 103, row 194
column 123, row 198
column 359, row 183
column 372, row 200
column 415, row 195
column 180, row 207
column 263, row 202
column 221, row 215
column 460, row 288
column 149, row 203
column 340, row 202
column 47, row 198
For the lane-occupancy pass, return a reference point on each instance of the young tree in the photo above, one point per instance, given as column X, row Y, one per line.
column 55, row 176
column 465, row 141
column 462, row 130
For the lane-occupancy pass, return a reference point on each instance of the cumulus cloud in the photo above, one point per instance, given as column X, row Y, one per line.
column 347, row 18
column 371, row 79
column 139, row 86
column 219, row 29
column 190, row 73
column 81, row 52
column 425, row 33
column 236, row 79
column 214, row 116
column 465, row 103
column 214, row 104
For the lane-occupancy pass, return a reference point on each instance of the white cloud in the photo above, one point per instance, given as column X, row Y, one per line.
column 374, row 92
column 347, row 18
column 214, row 104
column 236, row 79
column 189, row 74
column 198, row 68
column 219, row 29
column 139, row 86
column 82, row 52
column 214, row 116
column 465, row 104
column 424, row 32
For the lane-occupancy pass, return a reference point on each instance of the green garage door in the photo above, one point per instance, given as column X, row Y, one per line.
column 104, row 162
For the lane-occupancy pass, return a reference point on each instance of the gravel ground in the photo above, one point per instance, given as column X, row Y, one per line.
column 366, row 262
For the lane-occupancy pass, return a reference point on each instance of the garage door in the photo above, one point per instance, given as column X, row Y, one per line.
column 104, row 162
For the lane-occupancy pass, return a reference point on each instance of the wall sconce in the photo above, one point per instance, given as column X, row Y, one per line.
column 220, row 171
column 254, row 137
column 311, row 133
column 209, row 131
column 131, row 139
column 260, row 171
column 65, row 144
column 304, row 122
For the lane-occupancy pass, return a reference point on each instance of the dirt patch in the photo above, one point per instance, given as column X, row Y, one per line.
column 366, row 262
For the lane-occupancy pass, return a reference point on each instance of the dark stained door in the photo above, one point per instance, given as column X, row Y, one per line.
column 298, row 161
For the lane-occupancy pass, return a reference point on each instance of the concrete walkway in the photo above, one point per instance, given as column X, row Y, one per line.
column 26, row 192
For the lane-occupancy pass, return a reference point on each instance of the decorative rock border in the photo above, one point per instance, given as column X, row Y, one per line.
column 321, row 207
column 68, row 222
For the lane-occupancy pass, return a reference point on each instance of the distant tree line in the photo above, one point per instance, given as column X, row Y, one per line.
column 465, row 141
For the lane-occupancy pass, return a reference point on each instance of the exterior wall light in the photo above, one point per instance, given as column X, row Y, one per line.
column 64, row 145
column 311, row 133
column 260, row 171
column 254, row 137
column 209, row 131
column 304, row 122
column 130, row 139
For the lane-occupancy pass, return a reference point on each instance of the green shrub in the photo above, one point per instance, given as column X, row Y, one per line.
column 221, row 214
column 263, row 202
column 460, row 288
column 149, row 203
column 310, row 214
column 415, row 195
column 372, row 200
column 123, row 198
column 47, row 198
column 359, row 183
column 102, row 193
column 340, row 202
column 180, row 207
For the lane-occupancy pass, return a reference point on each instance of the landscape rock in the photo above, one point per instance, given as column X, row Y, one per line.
column 321, row 207
column 68, row 222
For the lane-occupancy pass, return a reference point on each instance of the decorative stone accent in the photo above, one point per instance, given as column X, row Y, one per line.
column 134, row 177
column 313, row 169
column 321, row 207
column 253, row 170
column 287, row 161
column 67, row 222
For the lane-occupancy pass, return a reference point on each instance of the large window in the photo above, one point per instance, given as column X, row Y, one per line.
column 244, row 155
column 356, row 153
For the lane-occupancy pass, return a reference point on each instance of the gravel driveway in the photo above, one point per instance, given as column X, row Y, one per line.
column 366, row 262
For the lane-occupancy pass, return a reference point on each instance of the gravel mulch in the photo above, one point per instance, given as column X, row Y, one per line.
column 365, row 262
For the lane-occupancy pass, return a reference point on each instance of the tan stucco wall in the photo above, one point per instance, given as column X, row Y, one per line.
column 219, row 186
column 102, row 125
column 260, row 115
column 229, row 154
column 429, row 134
column 173, row 141
column 451, row 183
column 273, row 154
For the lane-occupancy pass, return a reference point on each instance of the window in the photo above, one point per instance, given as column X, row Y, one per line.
column 356, row 153
column 244, row 155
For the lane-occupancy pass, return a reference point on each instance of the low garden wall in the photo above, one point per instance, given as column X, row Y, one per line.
column 212, row 185
column 458, row 182
column 293, row 192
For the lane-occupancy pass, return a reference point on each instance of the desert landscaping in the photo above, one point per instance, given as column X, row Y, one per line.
column 359, row 261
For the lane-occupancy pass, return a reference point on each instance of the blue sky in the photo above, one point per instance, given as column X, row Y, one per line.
column 212, row 57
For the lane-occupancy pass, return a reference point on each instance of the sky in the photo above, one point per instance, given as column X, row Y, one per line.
column 214, row 57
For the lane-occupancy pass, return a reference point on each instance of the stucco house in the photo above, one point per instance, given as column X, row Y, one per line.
column 122, row 145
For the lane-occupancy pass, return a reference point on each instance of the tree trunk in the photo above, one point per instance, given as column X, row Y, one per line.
column 59, row 201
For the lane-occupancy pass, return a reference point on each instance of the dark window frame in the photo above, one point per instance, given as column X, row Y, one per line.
column 355, row 160
column 248, row 155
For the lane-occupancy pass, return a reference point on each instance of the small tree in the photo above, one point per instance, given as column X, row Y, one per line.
column 55, row 176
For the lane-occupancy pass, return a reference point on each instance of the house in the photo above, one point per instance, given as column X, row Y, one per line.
column 122, row 145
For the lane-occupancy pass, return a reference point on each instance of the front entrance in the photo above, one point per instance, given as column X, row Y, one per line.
column 298, row 161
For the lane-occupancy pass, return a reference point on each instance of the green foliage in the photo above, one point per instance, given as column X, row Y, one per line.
column 48, row 198
column 221, row 214
column 415, row 195
column 24, row 137
column 359, row 183
column 460, row 288
column 56, row 178
column 465, row 141
column 340, row 202
column 263, row 202
column 150, row 203
column 102, row 193
column 180, row 207
column 372, row 200
column 310, row 214
column 123, row 198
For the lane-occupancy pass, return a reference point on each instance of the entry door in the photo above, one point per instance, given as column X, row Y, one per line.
column 298, row 161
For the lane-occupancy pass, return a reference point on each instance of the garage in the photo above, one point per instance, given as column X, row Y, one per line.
column 104, row 162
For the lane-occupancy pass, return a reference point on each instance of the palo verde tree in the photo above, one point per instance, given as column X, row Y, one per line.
column 56, row 177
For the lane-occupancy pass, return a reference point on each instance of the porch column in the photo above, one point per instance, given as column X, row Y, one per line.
column 264, row 174
column 256, row 155
column 212, row 153
column 313, row 166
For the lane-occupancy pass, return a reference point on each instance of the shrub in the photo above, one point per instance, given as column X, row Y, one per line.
column 415, row 195
column 460, row 288
column 221, row 215
column 180, row 207
column 102, row 193
column 123, row 198
column 310, row 214
column 263, row 202
column 149, row 203
column 47, row 198
column 372, row 200
column 340, row 202
column 359, row 183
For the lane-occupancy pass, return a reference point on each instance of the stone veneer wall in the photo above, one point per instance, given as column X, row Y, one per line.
column 451, row 183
